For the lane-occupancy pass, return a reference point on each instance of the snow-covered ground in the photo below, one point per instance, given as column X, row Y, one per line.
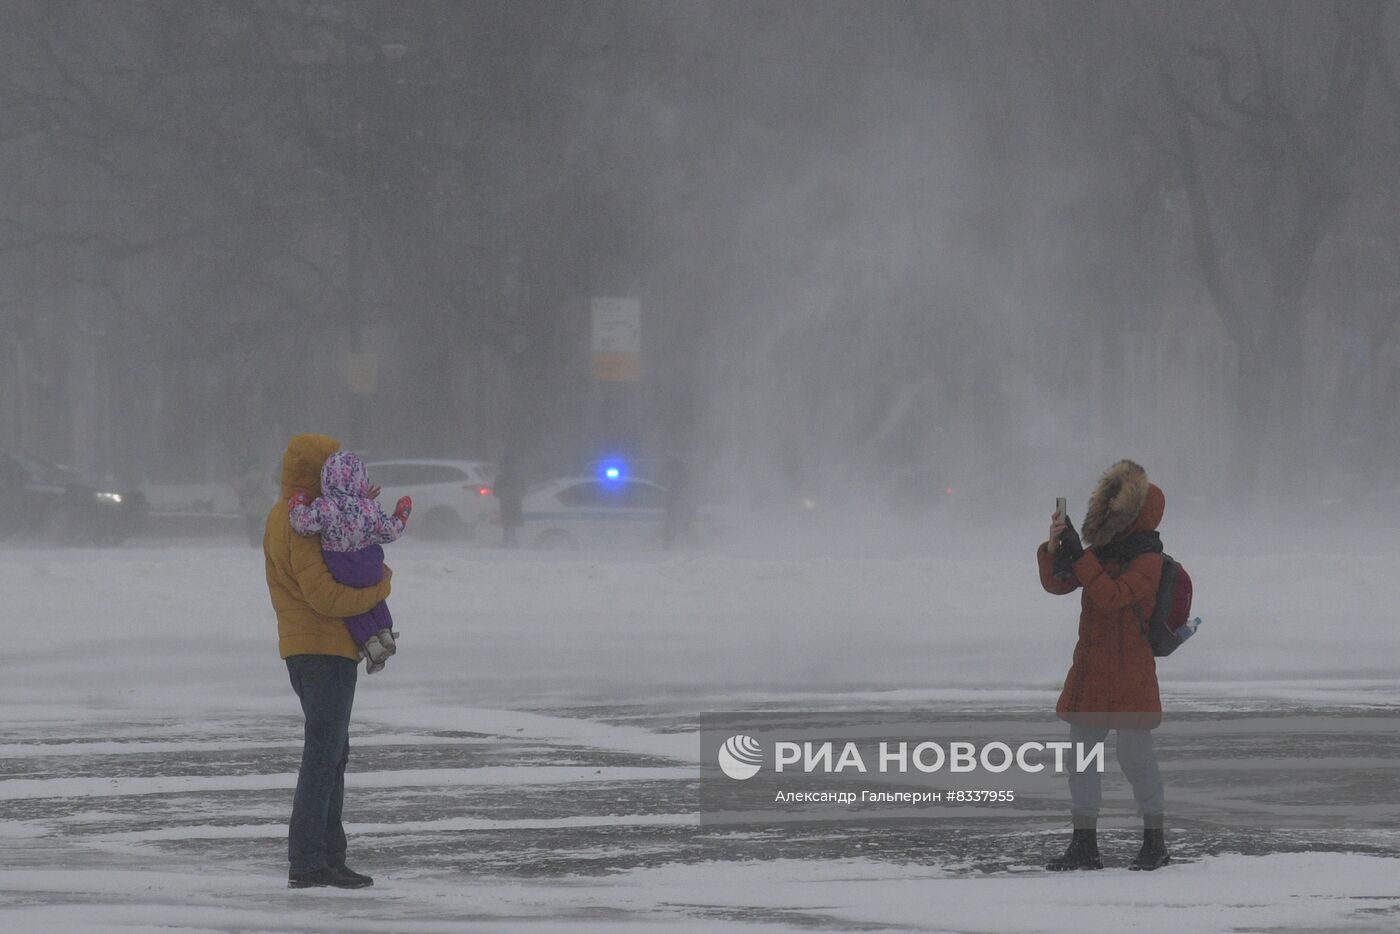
column 528, row 761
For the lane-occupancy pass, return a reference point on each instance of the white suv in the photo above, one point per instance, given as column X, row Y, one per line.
column 449, row 497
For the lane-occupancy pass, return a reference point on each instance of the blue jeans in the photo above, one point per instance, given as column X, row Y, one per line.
column 1138, row 761
column 326, row 686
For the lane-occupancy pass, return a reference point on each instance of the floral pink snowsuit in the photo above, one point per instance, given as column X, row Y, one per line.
column 352, row 528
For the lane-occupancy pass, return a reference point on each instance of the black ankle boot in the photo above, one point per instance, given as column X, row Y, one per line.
column 1153, row 854
column 1083, row 853
column 336, row 877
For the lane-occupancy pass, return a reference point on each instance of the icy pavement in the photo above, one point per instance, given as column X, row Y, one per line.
column 163, row 825
column 529, row 761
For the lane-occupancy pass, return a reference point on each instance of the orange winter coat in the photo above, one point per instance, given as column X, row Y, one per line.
column 1112, row 681
column 309, row 603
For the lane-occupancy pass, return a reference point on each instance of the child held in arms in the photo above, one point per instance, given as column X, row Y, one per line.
column 352, row 529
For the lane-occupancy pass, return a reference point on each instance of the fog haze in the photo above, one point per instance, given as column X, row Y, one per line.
column 906, row 259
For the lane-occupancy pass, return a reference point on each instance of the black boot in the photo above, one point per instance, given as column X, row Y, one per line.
column 1083, row 853
column 333, row 877
column 1153, row 854
column 351, row 879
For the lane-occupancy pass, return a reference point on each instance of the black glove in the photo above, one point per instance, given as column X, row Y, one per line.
column 1070, row 544
column 1070, row 550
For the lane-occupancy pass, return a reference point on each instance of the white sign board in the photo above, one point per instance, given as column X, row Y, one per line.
column 617, row 325
column 361, row 373
column 617, row 339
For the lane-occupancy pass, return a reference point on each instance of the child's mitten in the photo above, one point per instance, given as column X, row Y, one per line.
column 403, row 507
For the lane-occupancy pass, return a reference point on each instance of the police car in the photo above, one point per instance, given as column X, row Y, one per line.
column 602, row 511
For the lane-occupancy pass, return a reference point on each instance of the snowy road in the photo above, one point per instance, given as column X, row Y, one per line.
column 148, row 745
column 129, row 825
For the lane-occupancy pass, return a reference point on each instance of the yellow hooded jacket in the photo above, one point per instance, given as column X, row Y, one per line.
column 309, row 603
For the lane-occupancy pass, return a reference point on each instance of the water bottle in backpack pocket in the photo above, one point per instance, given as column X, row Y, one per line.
column 1171, row 622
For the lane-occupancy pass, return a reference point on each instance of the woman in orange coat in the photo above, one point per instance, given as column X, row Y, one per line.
column 1112, row 683
column 321, row 661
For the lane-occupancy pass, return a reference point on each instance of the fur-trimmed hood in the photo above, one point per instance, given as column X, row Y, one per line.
column 1123, row 502
column 302, row 463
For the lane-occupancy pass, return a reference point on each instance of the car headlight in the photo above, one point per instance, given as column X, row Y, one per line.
column 113, row 498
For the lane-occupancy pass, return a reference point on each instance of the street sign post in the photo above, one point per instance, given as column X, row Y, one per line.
column 617, row 340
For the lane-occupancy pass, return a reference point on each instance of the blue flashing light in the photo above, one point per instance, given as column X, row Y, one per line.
column 611, row 471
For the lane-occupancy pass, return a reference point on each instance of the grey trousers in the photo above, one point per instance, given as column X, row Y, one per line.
column 1139, row 764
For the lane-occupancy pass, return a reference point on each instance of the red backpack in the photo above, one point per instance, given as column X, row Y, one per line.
column 1170, row 623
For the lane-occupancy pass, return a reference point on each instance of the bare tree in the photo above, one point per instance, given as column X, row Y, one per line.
column 1257, row 109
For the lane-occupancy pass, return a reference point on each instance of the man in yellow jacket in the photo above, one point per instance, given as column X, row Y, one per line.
column 322, row 661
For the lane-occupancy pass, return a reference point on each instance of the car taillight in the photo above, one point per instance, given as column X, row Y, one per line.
column 483, row 490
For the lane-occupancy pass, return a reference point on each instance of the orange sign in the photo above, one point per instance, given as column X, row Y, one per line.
column 617, row 367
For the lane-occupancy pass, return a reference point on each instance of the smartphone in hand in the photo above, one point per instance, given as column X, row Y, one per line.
column 1062, row 571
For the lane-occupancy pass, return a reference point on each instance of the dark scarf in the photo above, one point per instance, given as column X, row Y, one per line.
column 1129, row 547
column 1122, row 550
